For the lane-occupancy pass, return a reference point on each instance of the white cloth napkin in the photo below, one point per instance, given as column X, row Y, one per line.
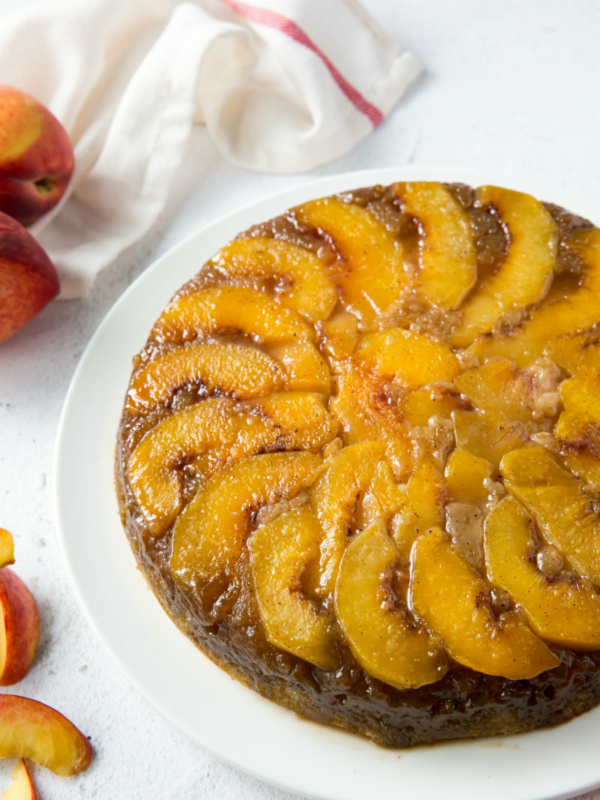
column 281, row 86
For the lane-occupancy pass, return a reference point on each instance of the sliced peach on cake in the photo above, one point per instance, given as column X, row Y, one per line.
column 384, row 497
column 418, row 407
column 225, row 368
column 448, row 259
column 573, row 353
column 412, row 360
column 29, row 729
column 562, row 610
column 230, row 308
column 7, row 548
column 280, row 552
column 334, row 498
column 222, row 429
column 454, row 602
column 370, row 271
column 487, row 435
column 339, row 335
column 562, row 314
column 468, row 477
column 424, row 508
column 301, row 278
column 524, row 276
column 386, row 639
column 305, row 368
column 579, row 444
column 567, row 516
column 210, row 533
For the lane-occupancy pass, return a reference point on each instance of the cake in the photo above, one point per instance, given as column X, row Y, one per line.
column 359, row 461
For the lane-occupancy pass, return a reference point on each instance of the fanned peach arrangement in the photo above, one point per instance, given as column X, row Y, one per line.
column 359, row 461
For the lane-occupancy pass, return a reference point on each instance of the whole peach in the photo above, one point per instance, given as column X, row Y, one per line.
column 28, row 279
column 36, row 157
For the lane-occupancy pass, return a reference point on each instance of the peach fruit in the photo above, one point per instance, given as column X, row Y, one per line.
column 19, row 628
column 21, row 786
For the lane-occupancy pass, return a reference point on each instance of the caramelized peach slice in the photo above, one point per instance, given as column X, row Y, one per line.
column 21, row 786
column 210, row 533
column 384, row 497
column 567, row 517
column 558, row 316
column 468, row 477
column 363, row 407
column 447, row 250
column 418, row 407
column 305, row 368
column 424, row 509
column 302, row 275
column 526, row 273
column 19, row 628
column 279, row 553
column 487, row 435
column 235, row 308
column 227, row 368
column 371, row 270
column 573, row 353
column 339, row 335
column 225, row 430
column 563, row 611
column 453, row 600
column 411, row 359
column 581, row 395
column 29, row 729
column 7, row 548
column 384, row 636
column 333, row 499
column 579, row 444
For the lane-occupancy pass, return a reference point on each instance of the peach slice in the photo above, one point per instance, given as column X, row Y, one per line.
column 227, row 368
column 305, row 368
column 339, row 335
column 418, row 407
column 21, row 786
column 385, row 638
column 467, row 477
column 209, row 535
column 230, row 308
column 19, row 628
column 563, row 611
column 303, row 284
column 410, row 359
column 558, row 316
column 279, row 553
column 573, row 353
column 448, row 258
column 225, row 430
column 370, row 272
column 526, row 273
column 453, row 600
column 7, row 548
column 425, row 495
column 384, row 497
column 334, row 497
column 579, row 444
column 567, row 517
column 29, row 729
column 487, row 435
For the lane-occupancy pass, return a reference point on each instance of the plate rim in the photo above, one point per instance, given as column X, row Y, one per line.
column 80, row 389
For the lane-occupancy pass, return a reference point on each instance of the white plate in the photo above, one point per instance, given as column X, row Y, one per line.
column 223, row 716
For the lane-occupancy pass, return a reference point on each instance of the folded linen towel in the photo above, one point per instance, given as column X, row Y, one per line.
column 281, row 86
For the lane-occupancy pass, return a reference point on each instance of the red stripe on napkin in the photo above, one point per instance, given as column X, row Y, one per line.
column 274, row 20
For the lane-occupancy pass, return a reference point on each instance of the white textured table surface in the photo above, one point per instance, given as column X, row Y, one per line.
column 507, row 85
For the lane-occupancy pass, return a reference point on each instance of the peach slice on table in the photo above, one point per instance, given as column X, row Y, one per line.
column 21, row 786
column 306, row 285
column 454, row 602
column 229, row 368
column 448, row 259
column 29, row 729
column 386, row 639
column 488, row 435
column 559, row 315
column 210, row 533
column 7, row 548
column 370, row 271
column 19, row 628
column 230, row 308
column 412, row 360
column 280, row 551
column 223, row 430
column 553, row 495
column 525, row 274
column 563, row 611
column 333, row 498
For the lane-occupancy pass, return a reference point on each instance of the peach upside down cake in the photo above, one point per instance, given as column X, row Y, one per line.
column 359, row 461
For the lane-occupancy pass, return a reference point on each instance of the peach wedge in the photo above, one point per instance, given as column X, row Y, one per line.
column 526, row 273
column 19, row 628
column 280, row 551
column 384, row 636
column 563, row 611
column 453, row 601
column 21, row 786
column 7, row 548
column 29, row 729
column 448, row 265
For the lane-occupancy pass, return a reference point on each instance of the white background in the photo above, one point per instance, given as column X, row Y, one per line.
column 511, row 85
